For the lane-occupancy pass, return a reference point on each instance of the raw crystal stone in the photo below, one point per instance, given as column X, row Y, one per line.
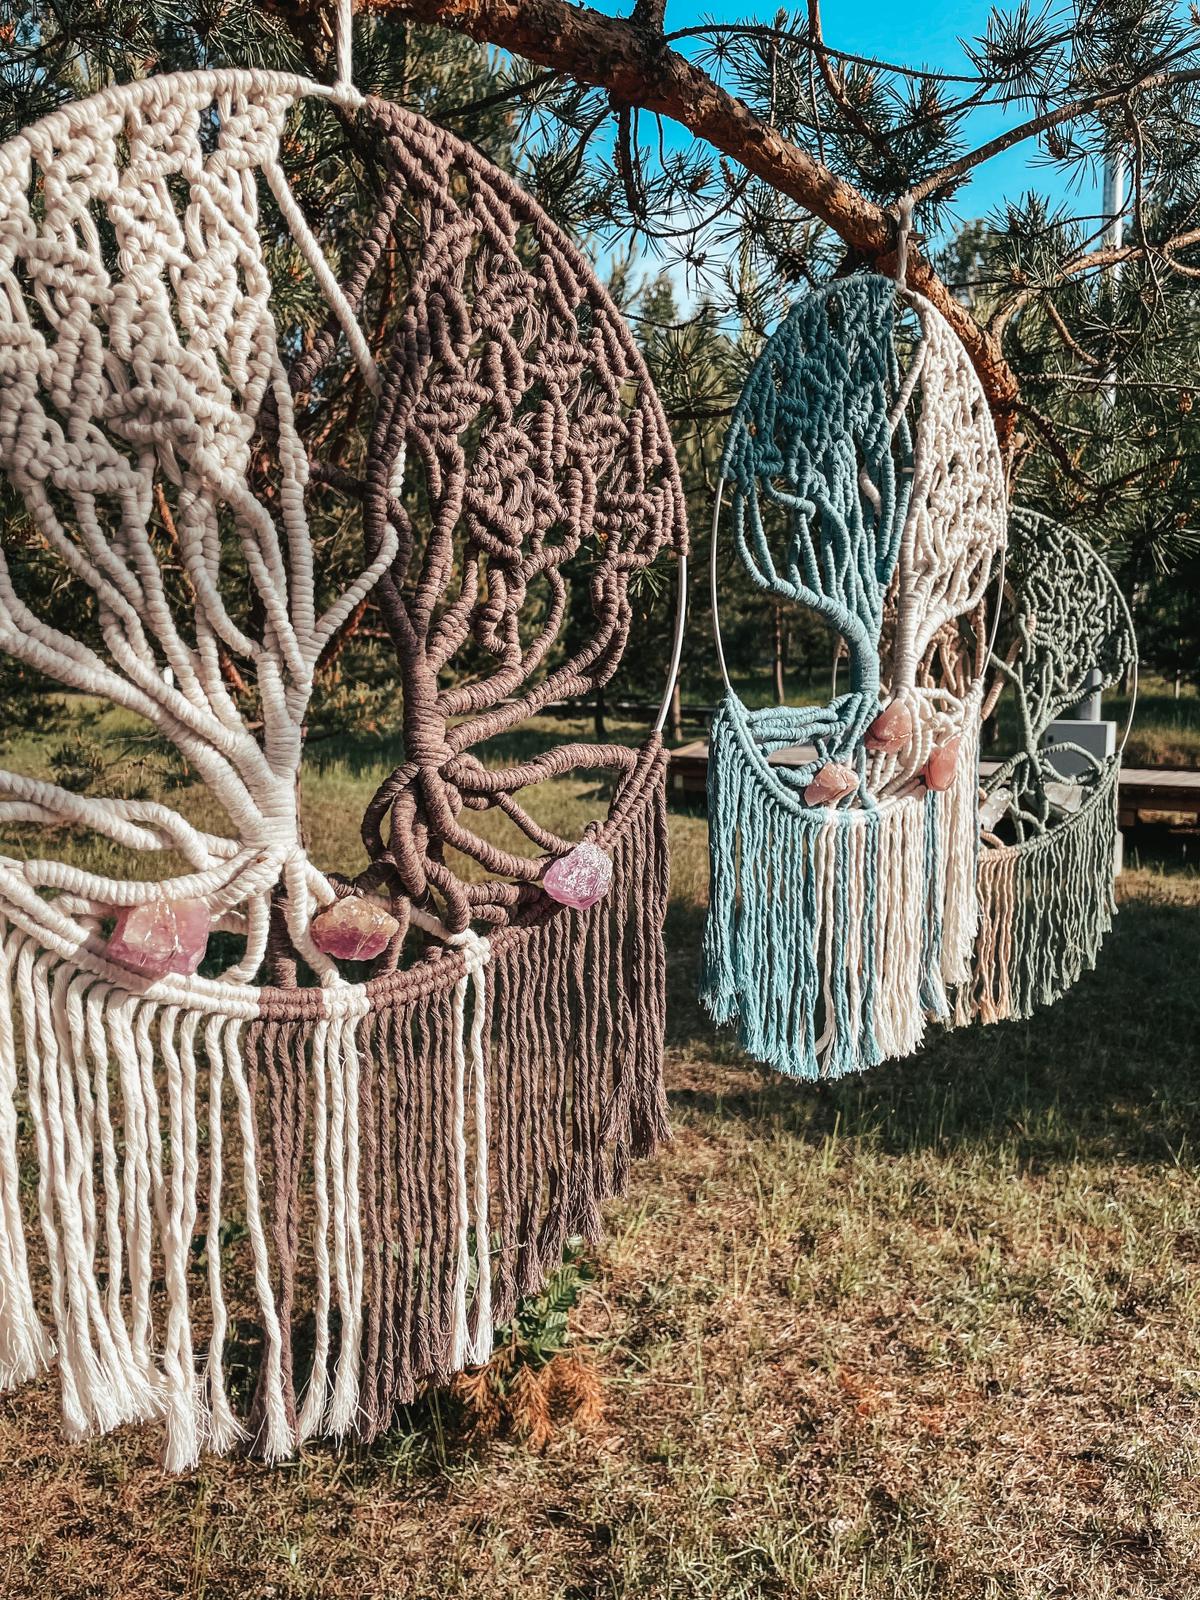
column 892, row 729
column 942, row 765
column 355, row 928
column 993, row 808
column 833, row 782
column 161, row 936
column 1066, row 797
column 579, row 878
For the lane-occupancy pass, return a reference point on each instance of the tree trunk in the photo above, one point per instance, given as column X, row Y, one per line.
column 780, row 691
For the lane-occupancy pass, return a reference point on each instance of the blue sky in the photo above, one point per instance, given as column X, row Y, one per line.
column 918, row 34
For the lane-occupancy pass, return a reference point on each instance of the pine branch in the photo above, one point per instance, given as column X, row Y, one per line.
column 639, row 69
column 1071, row 112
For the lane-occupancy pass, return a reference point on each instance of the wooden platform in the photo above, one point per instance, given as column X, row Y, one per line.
column 1141, row 790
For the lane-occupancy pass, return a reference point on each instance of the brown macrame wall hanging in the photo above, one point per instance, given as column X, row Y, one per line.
column 411, row 1136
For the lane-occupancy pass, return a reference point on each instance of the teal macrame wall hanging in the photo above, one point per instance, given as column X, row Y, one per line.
column 1049, row 840
column 865, row 484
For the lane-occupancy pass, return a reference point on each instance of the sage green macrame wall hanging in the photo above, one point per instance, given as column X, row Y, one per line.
column 1049, row 840
column 866, row 484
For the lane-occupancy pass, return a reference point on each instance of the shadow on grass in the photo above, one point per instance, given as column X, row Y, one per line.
column 1109, row 1073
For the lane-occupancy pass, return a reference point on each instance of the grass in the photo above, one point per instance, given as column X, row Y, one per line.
column 933, row 1333
column 1166, row 729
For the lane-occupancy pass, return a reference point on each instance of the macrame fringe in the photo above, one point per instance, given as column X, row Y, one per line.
column 832, row 935
column 1045, row 908
column 119, row 1119
column 473, row 1184
column 402, row 1170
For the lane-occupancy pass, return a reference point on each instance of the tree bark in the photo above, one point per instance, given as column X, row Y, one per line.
column 637, row 68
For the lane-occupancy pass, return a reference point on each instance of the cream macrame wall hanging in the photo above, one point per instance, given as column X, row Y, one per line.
column 1049, row 824
column 408, row 1141
column 866, row 484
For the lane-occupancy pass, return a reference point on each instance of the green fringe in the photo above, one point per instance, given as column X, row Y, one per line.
column 1045, row 907
column 801, row 973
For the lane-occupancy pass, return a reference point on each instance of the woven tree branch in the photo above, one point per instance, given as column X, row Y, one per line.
column 141, row 350
column 873, row 501
column 1065, row 620
column 533, row 441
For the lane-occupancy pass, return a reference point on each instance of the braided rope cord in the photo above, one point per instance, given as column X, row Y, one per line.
column 870, row 490
column 1065, row 618
column 141, row 364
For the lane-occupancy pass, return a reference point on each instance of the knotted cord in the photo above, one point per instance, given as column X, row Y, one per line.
column 866, row 485
column 514, row 445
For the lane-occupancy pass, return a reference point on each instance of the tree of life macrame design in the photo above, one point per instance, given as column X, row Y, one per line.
column 866, row 484
column 413, row 1140
column 530, row 366
column 1049, row 840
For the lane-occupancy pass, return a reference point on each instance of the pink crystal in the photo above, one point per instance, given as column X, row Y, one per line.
column 833, row 782
column 579, row 878
column 355, row 928
column 161, row 936
column 942, row 765
column 892, row 729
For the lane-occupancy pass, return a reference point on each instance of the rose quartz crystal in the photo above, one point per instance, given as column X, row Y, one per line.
column 579, row 878
column 161, row 936
column 892, row 729
column 833, row 782
column 942, row 765
column 355, row 928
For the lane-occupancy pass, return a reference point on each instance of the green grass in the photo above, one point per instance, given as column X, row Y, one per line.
column 1166, row 729
column 932, row 1334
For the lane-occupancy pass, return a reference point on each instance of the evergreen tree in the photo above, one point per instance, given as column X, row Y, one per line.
column 1087, row 349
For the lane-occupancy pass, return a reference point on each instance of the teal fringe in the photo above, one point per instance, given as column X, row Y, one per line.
column 800, row 978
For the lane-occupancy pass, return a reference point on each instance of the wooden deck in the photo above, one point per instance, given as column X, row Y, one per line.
column 1141, row 791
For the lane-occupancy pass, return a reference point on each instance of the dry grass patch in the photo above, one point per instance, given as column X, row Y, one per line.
column 931, row 1333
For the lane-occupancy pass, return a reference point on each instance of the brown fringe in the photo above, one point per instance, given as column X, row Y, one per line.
column 573, row 1033
column 276, row 1051
column 574, row 1040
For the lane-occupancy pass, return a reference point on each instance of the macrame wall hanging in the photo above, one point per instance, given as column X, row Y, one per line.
column 866, row 484
column 411, row 1086
column 1049, row 840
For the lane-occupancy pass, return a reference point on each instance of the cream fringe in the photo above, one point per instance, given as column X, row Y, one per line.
column 112, row 1085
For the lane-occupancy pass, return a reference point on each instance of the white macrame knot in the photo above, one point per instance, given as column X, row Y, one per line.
column 476, row 949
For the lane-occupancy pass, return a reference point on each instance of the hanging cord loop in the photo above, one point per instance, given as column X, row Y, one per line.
column 904, row 218
column 344, row 44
